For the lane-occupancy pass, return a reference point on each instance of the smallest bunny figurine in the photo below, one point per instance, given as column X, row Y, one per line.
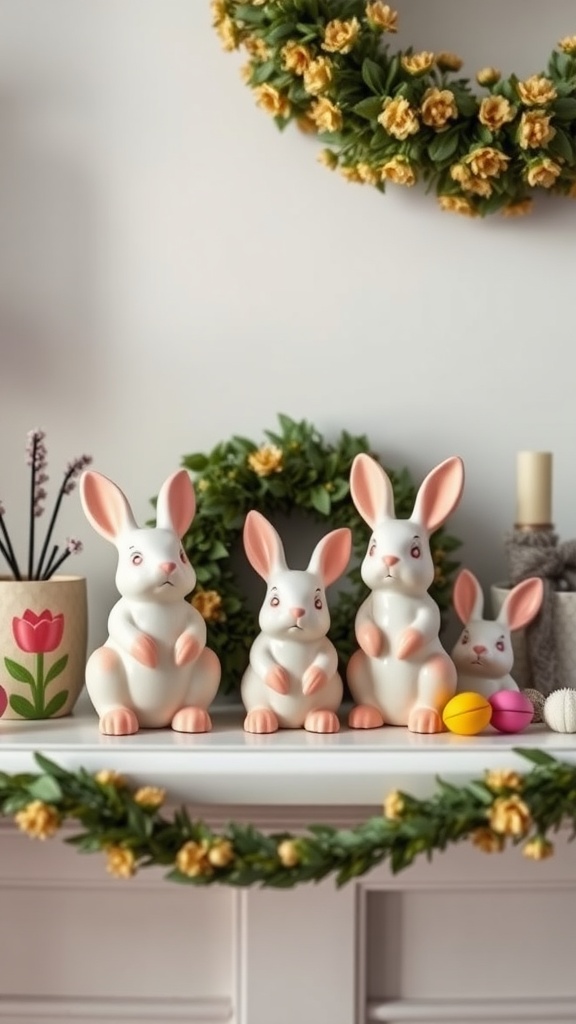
column 483, row 654
column 292, row 680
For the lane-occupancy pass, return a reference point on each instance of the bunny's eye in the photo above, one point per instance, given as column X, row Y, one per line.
column 464, row 639
column 318, row 603
column 500, row 645
column 274, row 601
column 182, row 555
column 415, row 551
column 136, row 558
column 372, row 548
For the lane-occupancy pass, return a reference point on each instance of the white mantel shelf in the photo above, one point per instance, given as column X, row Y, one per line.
column 288, row 768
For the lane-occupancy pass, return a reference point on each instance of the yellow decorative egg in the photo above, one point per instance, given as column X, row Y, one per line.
column 467, row 714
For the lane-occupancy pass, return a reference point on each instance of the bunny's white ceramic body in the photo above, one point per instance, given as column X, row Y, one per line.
column 401, row 675
column 292, row 680
column 483, row 653
column 154, row 670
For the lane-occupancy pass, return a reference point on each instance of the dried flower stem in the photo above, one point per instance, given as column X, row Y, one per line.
column 32, row 506
column 8, row 551
column 52, row 522
column 49, row 565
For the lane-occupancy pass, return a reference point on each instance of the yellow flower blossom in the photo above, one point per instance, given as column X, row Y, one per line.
column 266, row 460
column 447, row 61
column 218, row 8
column 509, row 816
column 518, row 209
column 318, row 75
column 438, row 107
column 495, row 112
column 227, row 33
column 488, row 76
column 108, row 777
column 221, row 853
column 567, row 44
column 328, row 159
column 417, row 63
column 572, row 191
column 536, row 91
column 398, row 118
column 470, row 182
column 272, row 101
column 394, row 806
column 192, row 859
column 295, row 57
column 246, row 73
column 382, row 16
column 503, row 778
column 257, row 48
column 150, row 796
column 370, row 176
column 120, row 862
column 399, row 171
column 326, row 115
column 543, row 173
column 288, row 853
column 487, row 162
column 306, row 124
column 487, row 841
column 457, row 204
column 538, row 848
column 351, row 175
column 203, row 484
column 209, row 604
column 340, row 36
column 535, row 130
column 38, row 820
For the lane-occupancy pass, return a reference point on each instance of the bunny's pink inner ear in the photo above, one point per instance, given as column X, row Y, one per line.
column 331, row 555
column 262, row 545
column 439, row 494
column 176, row 503
column 468, row 598
column 523, row 603
column 371, row 490
column 105, row 506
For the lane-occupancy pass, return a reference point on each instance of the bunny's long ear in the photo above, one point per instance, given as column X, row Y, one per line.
column 439, row 494
column 522, row 603
column 176, row 503
column 371, row 490
column 105, row 506
column 331, row 555
column 468, row 598
column 262, row 545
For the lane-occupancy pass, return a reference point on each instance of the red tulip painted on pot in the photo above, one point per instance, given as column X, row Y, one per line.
column 38, row 635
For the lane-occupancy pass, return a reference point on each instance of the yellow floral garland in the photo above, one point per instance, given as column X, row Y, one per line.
column 128, row 825
column 400, row 117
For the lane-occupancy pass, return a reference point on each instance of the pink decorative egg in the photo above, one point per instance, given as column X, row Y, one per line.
column 512, row 711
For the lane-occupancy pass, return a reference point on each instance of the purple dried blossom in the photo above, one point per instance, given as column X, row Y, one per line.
column 74, row 547
column 73, row 470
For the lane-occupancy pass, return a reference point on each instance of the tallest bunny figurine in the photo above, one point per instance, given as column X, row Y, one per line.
column 154, row 669
column 401, row 675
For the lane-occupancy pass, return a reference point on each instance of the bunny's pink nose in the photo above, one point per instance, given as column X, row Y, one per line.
column 478, row 649
column 168, row 567
column 390, row 560
column 297, row 612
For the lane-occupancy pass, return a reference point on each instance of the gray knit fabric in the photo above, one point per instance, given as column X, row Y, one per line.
column 538, row 553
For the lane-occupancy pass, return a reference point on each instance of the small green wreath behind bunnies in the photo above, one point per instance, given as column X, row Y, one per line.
column 294, row 470
column 395, row 118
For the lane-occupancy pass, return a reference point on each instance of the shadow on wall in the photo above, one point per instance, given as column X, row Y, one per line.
column 48, row 246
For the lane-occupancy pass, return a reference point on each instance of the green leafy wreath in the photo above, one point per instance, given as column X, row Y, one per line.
column 129, row 827
column 295, row 469
column 397, row 117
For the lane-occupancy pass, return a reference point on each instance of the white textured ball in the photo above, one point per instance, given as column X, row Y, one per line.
column 560, row 711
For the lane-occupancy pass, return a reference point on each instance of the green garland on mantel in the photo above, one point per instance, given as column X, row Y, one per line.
column 129, row 827
column 397, row 117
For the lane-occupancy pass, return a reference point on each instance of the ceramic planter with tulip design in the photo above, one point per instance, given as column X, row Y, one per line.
column 43, row 646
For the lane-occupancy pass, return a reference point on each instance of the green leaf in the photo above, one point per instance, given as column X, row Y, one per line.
column 45, row 788
column 196, row 462
column 50, row 767
column 443, row 146
column 320, row 499
column 19, row 672
column 56, row 704
column 538, row 757
column 369, row 108
column 374, row 76
column 562, row 146
column 565, row 109
column 22, row 706
column 56, row 669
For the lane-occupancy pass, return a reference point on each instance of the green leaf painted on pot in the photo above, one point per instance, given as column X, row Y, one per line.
column 56, row 669
column 22, row 706
column 45, row 788
column 19, row 672
column 56, row 704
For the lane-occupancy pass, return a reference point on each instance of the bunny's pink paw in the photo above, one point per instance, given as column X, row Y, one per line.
column 186, row 649
column 119, row 722
column 278, row 679
column 145, row 651
column 410, row 641
column 260, row 720
column 191, row 720
column 321, row 721
column 365, row 717
column 425, row 720
column 312, row 680
column 370, row 639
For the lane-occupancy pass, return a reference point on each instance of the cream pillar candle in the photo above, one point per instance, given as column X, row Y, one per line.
column 534, row 489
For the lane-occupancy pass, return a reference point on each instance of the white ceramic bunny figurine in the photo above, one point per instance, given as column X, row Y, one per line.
column 401, row 675
column 483, row 654
column 155, row 669
column 292, row 679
